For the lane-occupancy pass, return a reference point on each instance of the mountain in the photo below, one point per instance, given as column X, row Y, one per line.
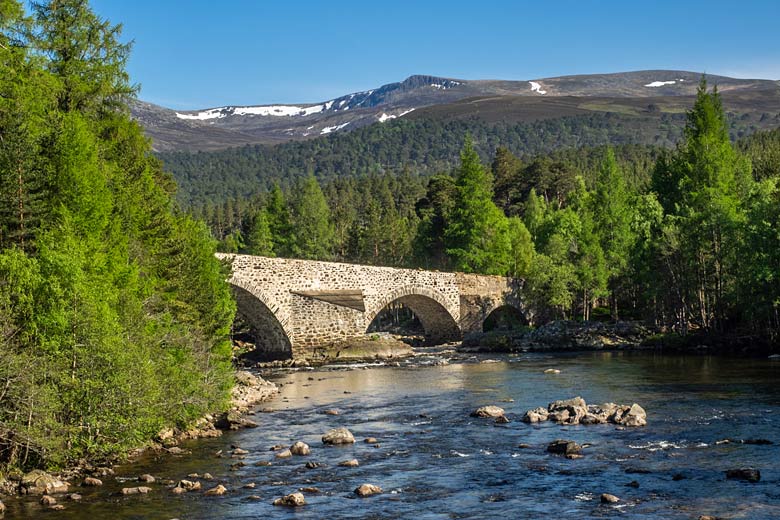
column 432, row 96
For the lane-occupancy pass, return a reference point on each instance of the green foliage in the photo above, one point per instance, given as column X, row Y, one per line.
column 478, row 232
column 114, row 312
column 313, row 231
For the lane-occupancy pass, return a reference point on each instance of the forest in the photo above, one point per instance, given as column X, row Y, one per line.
column 114, row 313
column 685, row 238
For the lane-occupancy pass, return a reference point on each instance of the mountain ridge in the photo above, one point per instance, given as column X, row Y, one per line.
column 236, row 125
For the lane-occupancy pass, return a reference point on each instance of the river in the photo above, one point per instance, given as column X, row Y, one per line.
column 434, row 461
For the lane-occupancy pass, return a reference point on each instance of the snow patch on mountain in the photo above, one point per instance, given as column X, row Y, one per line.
column 385, row 117
column 272, row 110
column 329, row 129
column 536, row 87
column 655, row 84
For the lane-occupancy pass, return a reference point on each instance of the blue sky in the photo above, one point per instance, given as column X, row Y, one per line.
column 205, row 53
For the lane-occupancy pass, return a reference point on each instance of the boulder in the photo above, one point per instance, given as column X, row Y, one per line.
column 146, row 478
column 216, row 491
column 338, row 436
column 488, row 411
column 47, row 500
column 353, row 463
column 178, row 490
column 602, row 412
column 606, row 498
column 634, row 416
column 188, row 485
column 502, row 419
column 39, row 482
column 748, row 474
column 284, row 454
column 239, row 451
column 207, row 476
column 300, row 448
column 140, row 490
column 92, row 482
column 564, row 447
column 291, row 500
column 576, row 408
column 370, row 440
column 366, row 490
column 536, row 415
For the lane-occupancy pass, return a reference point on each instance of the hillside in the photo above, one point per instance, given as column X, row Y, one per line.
column 227, row 126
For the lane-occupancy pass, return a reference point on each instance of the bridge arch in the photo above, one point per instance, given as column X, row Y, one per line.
column 269, row 328
column 439, row 321
column 504, row 317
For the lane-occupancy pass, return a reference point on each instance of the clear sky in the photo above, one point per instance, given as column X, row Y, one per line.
column 206, row 53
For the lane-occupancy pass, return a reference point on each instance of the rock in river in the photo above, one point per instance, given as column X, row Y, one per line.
column 92, row 482
column 2, row 507
column 39, row 482
column 300, row 448
column 536, row 415
column 140, row 490
column 291, row 500
column 488, row 411
column 748, row 474
column 564, row 447
column 366, row 490
column 353, row 463
column 216, row 491
column 338, row 436
column 606, row 498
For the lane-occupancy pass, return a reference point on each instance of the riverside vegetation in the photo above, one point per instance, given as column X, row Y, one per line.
column 114, row 314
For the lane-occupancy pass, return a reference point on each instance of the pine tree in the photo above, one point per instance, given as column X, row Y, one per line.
column 314, row 233
column 279, row 223
column 477, row 235
column 260, row 241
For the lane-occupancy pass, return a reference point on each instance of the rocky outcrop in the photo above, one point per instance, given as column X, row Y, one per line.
column 559, row 336
column 577, row 411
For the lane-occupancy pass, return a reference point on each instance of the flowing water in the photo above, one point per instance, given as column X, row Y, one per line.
column 434, row 461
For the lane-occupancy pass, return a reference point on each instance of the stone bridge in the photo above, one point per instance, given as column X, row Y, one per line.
column 295, row 306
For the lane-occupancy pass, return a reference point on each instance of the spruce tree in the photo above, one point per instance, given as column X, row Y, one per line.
column 477, row 235
column 313, row 235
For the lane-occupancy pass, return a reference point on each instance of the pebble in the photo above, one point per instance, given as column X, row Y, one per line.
column 552, row 371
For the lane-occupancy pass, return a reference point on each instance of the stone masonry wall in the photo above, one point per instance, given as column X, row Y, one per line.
column 446, row 303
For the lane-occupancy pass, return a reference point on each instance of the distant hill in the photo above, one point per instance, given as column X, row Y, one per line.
column 628, row 93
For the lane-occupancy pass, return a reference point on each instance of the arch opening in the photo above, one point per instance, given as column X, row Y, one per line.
column 257, row 331
column 420, row 319
column 505, row 317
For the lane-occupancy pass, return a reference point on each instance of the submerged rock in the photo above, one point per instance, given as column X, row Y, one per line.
column 353, row 463
column 747, row 474
column 338, row 436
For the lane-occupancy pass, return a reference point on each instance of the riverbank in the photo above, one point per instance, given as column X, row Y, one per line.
column 249, row 390
column 575, row 336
